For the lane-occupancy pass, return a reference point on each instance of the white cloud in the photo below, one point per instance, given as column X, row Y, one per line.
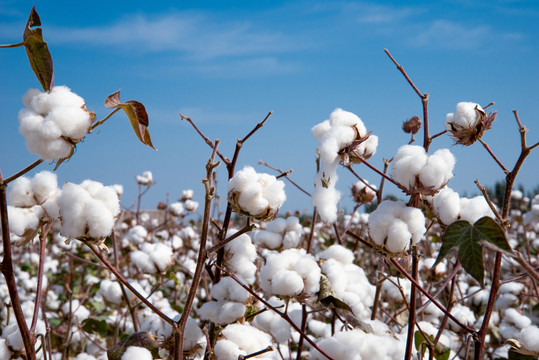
column 194, row 35
column 446, row 34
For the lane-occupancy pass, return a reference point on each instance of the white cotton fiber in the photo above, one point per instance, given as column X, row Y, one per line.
column 407, row 164
column 137, row 353
column 145, row 179
column 242, row 339
column 229, row 289
column 529, row 338
column 53, row 121
column 447, row 206
column 111, row 291
column 465, row 115
column 23, row 219
column 20, row 193
column 475, row 208
column 161, row 256
column 44, row 185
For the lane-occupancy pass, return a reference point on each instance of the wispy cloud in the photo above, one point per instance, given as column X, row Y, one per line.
column 194, row 35
column 451, row 35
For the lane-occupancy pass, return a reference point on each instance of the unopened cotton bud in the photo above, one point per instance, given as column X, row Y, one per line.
column 412, row 125
column 363, row 192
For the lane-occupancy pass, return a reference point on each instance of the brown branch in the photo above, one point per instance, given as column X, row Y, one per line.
column 206, row 139
column 244, row 230
column 285, row 174
column 494, row 156
column 37, row 304
column 12, row 45
column 491, row 205
column 22, row 172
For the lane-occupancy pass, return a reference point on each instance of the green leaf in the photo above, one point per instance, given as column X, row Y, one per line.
column 469, row 241
column 95, row 326
column 38, row 52
column 136, row 113
column 419, row 339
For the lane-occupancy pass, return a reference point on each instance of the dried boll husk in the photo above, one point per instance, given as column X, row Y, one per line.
column 467, row 135
column 412, row 125
column 266, row 215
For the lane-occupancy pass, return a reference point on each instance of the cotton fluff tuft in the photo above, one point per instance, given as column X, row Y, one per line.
column 290, row 273
column 145, row 179
column 242, row 339
column 152, row 258
column 88, row 209
column 111, row 291
column 348, row 280
column 240, row 255
column 415, row 170
column 272, row 323
column 395, row 227
column 258, row 195
column 137, row 353
column 334, row 135
column 32, row 202
column 52, row 122
column 228, row 305
column 529, row 338
column 280, row 234
column 450, row 207
column 468, row 123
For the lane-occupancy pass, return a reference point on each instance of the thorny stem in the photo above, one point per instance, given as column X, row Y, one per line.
column 42, row 241
column 120, row 278
column 430, row 297
column 494, row 156
column 495, row 286
column 210, row 192
column 285, row 174
column 6, row 267
column 284, row 315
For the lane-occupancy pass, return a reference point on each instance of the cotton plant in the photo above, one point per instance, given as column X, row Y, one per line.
column 152, row 257
column 290, row 273
column 450, row 207
column 343, row 137
column 257, row 195
column 272, row 323
column 363, row 192
column 145, row 179
column 240, row 255
column 32, row 202
column 395, row 227
column 280, row 234
column 418, row 172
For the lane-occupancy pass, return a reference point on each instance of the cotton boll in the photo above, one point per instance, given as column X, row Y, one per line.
column 529, row 338
column 464, row 116
column 463, row 314
column 447, row 206
column 191, row 205
column 229, row 289
column 145, row 179
column 63, row 96
column 44, row 185
column 99, row 219
column 162, row 256
column 269, row 239
column 286, row 283
column 137, row 353
column 84, row 356
column 513, row 317
column 407, row 164
column 398, row 237
column 136, row 235
column 73, row 122
column 325, row 199
column 339, row 253
column 143, row 261
column 475, row 208
column 20, row 193
column 242, row 339
column 321, row 129
column 438, row 170
column 23, row 219
column 49, row 130
column 111, row 291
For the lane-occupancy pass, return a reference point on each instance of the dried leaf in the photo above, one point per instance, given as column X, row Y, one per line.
column 328, row 297
column 38, row 52
column 136, row 113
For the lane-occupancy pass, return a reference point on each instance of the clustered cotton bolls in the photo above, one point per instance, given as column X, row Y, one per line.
column 228, row 304
column 111, row 291
column 290, row 273
column 468, row 123
column 32, row 202
column 363, row 192
column 137, row 353
column 394, row 227
column 416, row 171
column 280, row 234
column 450, row 207
column 342, row 137
column 273, row 323
column 88, row 210
column 348, row 280
column 257, row 195
column 146, row 179
column 531, row 218
column 52, row 123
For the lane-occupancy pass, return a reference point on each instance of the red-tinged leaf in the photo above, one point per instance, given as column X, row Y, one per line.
column 38, row 52
column 136, row 113
column 113, row 100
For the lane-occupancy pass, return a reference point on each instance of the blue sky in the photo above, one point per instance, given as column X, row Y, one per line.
column 226, row 64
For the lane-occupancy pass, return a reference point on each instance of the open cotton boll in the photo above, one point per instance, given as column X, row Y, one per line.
column 20, row 193
column 240, row 255
column 474, row 209
column 395, row 226
column 143, row 261
column 326, row 196
column 161, row 256
column 529, row 338
column 222, row 311
column 145, row 179
column 111, row 291
column 447, row 205
column 136, row 235
column 137, row 353
column 407, row 164
column 24, row 219
column 255, row 194
column 242, row 339
column 44, row 185
column 228, row 289
column 438, row 170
